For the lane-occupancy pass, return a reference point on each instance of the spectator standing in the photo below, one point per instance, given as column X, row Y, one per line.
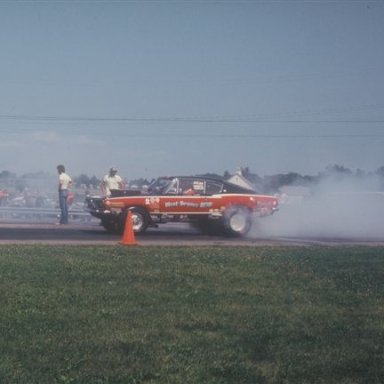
column 111, row 182
column 65, row 182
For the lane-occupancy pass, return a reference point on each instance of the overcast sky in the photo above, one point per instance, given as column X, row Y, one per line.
column 184, row 87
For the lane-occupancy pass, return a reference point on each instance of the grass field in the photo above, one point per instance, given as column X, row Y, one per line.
column 186, row 315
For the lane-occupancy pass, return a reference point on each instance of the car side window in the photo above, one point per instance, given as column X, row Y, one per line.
column 186, row 185
column 191, row 187
column 213, row 187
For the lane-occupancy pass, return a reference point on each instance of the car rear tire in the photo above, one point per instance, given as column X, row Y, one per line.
column 237, row 221
column 140, row 219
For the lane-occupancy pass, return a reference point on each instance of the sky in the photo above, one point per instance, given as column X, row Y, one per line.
column 159, row 88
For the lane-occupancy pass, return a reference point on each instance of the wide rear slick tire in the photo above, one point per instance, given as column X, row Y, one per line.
column 140, row 219
column 237, row 221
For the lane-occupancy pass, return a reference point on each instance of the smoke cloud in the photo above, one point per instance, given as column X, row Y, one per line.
column 351, row 208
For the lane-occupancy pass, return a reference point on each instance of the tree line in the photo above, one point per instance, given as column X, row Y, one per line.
column 265, row 184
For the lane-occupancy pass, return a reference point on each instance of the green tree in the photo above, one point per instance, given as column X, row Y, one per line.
column 86, row 180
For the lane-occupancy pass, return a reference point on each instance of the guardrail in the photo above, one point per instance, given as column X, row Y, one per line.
column 41, row 213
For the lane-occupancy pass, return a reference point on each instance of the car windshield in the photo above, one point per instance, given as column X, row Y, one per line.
column 160, row 186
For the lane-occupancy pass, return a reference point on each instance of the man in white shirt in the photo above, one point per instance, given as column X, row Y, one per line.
column 112, row 181
column 65, row 182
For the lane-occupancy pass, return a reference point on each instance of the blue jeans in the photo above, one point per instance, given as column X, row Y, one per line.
column 63, row 195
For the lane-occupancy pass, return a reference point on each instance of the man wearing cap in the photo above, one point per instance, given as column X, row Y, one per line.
column 112, row 181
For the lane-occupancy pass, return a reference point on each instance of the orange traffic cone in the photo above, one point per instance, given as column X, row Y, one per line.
column 128, row 235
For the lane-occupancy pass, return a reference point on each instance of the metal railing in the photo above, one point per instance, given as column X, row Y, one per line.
column 41, row 213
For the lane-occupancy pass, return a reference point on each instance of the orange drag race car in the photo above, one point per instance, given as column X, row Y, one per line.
column 213, row 206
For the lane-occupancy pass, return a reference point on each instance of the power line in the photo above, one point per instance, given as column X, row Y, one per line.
column 246, row 120
column 232, row 136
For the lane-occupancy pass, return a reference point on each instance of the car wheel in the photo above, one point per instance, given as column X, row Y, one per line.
column 237, row 221
column 140, row 219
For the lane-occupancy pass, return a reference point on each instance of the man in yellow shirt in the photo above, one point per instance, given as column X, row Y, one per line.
column 112, row 181
column 65, row 182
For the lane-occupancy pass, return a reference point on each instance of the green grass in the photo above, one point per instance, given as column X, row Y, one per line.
column 185, row 315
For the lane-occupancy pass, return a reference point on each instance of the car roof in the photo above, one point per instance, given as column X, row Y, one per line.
column 234, row 188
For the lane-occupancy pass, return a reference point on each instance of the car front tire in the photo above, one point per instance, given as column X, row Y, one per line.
column 140, row 219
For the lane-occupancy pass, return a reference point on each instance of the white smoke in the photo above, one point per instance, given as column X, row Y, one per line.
column 338, row 209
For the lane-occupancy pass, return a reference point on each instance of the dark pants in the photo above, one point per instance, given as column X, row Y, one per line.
column 63, row 195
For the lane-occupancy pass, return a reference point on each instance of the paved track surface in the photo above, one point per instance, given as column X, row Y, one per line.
column 171, row 234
